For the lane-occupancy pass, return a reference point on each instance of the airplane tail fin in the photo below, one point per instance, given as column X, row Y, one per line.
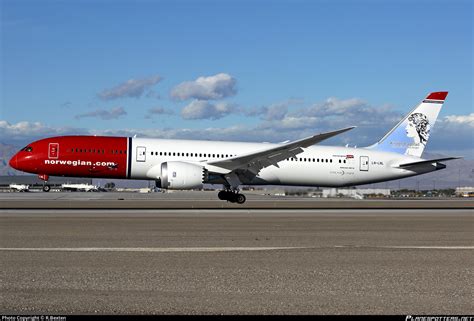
column 411, row 134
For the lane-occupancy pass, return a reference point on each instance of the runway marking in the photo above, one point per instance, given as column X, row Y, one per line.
column 432, row 247
column 420, row 247
column 147, row 249
column 219, row 249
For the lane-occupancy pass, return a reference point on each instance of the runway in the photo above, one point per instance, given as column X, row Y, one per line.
column 208, row 200
column 229, row 261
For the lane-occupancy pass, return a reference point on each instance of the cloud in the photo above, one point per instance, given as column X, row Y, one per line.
column 114, row 113
column 460, row 119
column 331, row 114
column 205, row 88
column 24, row 132
column 276, row 111
column 453, row 132
column 131, row 88
column 336, row 106
column 158, row 111
column 201, row 109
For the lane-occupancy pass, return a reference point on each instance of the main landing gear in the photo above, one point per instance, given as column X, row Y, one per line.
column 232, row 196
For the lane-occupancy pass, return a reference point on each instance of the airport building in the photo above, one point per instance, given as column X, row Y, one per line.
column 35, row 183
column 356, row 193
column 466, row 191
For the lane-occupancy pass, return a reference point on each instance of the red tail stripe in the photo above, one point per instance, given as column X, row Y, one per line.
column 440, row 95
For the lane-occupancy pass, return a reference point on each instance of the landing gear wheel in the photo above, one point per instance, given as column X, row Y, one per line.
column 222, row 195
column 46, row 188
column 232, row 197
column 240, row 198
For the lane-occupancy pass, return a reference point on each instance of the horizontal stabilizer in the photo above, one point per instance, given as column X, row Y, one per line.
column 427, row 161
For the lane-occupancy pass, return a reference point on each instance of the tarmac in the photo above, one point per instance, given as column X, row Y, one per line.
column 234, row 261
column 208, row 200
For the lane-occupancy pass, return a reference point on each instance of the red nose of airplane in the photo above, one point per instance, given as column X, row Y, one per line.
column 14, row 162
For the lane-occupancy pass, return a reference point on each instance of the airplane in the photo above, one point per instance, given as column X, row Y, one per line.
column 188, row 164
column 20, row 187
column 79, row 187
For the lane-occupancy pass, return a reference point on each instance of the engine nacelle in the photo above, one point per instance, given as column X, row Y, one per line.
column 181, row 175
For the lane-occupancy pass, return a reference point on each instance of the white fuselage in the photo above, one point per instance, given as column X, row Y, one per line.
column 317, row 166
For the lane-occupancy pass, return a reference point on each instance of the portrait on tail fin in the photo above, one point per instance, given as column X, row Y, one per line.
column 418, row 128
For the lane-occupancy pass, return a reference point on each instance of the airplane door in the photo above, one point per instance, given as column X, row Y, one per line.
column 53, row 150
column 141, row 153
column 364, row 163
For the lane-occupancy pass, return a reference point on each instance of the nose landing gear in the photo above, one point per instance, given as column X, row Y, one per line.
column 232, row 196
column 45, row 177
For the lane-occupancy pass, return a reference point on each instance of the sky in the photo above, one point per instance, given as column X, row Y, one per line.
column 234, row 70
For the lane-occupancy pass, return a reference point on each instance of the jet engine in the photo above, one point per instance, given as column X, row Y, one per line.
column 181, row 175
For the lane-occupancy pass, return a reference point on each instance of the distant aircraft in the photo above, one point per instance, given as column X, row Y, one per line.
column 188, row 164
column 20, row 187
column 79, row 187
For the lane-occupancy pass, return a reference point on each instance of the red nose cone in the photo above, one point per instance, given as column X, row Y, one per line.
column 14, row 162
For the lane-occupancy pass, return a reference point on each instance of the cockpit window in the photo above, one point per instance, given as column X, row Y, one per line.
column 27, row 149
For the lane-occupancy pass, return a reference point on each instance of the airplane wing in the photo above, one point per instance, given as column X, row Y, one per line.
column 250, row 164
column 426, row 161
